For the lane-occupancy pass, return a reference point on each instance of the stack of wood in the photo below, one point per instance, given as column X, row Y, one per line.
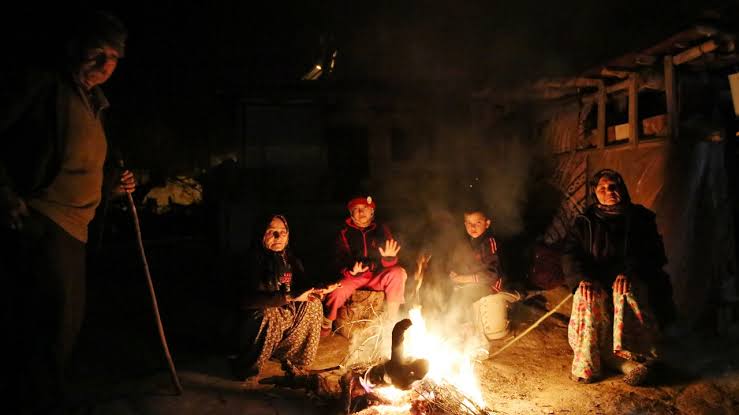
column 360, row 385
column 429, row 398
column 360, row 311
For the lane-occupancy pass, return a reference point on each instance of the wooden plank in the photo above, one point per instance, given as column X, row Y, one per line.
column 577, row 82
column 633, row 109
column 602, row 99
column 646, row 81
column 617, row 86
column 694, row 52
column 614, row 73
column 645, row 60
column 671, row 97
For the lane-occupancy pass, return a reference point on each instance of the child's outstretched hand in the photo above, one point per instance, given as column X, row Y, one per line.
column 358, row 268
column 391, row 248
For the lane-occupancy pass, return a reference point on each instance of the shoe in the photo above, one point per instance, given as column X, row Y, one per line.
column 480, row 354
column 250, row 383
column 636, row 376
column 292, row 370
column 577, row 379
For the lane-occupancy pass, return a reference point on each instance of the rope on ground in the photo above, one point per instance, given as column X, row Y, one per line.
column 533, row 326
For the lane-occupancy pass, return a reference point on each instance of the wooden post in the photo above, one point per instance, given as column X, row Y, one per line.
column 634, row 109
column 602, row 98
column 671, row 98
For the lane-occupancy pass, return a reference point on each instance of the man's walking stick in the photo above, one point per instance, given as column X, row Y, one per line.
column 160, row 328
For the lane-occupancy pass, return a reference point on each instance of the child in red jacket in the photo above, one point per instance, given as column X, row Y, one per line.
column 366, row 257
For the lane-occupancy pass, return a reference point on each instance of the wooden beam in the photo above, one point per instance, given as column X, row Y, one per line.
column 578, row 82
column 671, row 97
column 617, row 86
column 614, row 73
column 633, row 109
column 645, row 60
column 620, row 86
column 694, row 52
column 602, row 99
column 648, row 80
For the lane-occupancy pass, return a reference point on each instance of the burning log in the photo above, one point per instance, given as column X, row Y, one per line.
column 444, row 398
column 398, row 371
column 402, row 384
column 426, row 397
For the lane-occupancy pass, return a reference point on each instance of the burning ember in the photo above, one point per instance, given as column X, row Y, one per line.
column 428, row 373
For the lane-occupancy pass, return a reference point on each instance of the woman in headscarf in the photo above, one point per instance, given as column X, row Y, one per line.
column 613, row 259
column 280, row 318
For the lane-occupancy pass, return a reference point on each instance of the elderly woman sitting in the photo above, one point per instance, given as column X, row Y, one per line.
column 613, row 258
column 278, row 319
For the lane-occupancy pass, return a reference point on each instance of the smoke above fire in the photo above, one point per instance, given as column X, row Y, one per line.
column 463, row 163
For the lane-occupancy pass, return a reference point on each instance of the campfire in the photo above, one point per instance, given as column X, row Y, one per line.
column 428, row 373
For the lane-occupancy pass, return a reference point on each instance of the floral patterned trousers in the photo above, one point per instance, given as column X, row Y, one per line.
column 291, row 332
column 596, row 337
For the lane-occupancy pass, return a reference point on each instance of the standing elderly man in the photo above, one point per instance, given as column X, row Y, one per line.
column 366, row 257
column 52, row 176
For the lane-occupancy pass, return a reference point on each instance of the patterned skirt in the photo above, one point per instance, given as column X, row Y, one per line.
column 600, row 333
column 290, row 332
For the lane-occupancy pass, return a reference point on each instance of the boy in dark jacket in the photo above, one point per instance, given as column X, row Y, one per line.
column 478, row 281
column 366, row 257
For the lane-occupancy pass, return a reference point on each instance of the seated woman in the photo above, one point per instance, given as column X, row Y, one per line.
column 479, row 285
column 278, row 318
column 613, row 258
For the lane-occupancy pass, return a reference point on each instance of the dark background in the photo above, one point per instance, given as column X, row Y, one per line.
column 183, row 56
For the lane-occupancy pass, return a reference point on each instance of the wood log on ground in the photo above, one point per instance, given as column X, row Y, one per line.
column 360, row 311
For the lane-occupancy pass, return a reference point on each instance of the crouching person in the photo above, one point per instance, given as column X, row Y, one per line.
column 279, row 318
column 480, row 291
column 366, row 257
column 613, row 258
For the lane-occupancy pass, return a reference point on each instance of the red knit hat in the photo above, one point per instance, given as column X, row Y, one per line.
column 362, row 200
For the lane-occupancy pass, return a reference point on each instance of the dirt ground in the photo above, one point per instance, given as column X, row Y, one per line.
column 700, row 375
column 119, row 368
